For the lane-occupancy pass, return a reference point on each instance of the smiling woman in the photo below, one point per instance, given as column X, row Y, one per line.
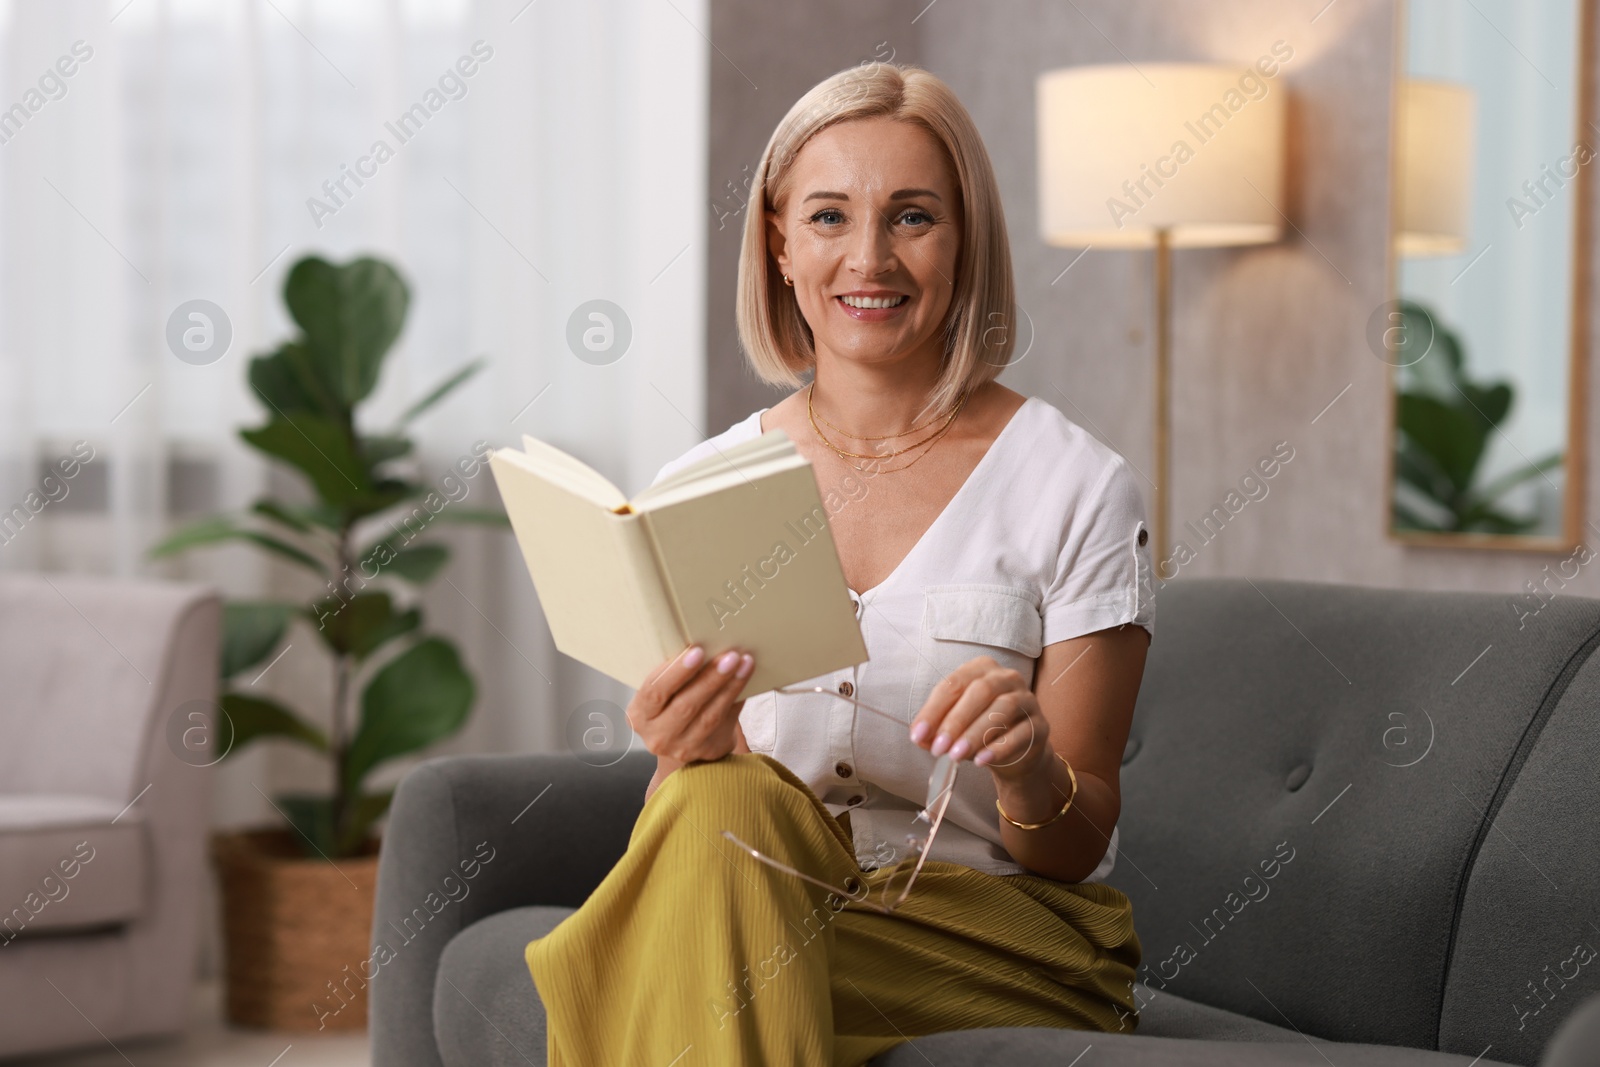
column 1002, row 590
column 959, row 260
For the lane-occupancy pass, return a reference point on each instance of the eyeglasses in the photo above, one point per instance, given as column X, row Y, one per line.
column 897, row 887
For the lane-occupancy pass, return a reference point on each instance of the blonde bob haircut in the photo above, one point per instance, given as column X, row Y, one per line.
column 978, row 328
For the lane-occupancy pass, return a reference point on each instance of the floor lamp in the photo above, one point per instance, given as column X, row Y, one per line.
column 1434, row 146
column 1162, row 156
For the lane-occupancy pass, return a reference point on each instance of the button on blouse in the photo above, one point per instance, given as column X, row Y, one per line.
column 1044, row 541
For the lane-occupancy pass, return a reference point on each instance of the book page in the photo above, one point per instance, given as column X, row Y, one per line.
column 571, row 473
column 745, row 461
column 593, row 596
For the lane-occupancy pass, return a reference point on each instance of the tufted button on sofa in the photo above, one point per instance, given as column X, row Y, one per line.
column 1359, row 826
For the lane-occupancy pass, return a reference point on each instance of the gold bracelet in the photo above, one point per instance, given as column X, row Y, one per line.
column 1051, row 819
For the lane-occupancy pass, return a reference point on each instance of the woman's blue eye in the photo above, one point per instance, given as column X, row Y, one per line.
column 922, row 216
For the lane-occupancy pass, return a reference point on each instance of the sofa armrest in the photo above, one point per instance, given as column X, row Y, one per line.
column 1574, row 1044
column 471, row 836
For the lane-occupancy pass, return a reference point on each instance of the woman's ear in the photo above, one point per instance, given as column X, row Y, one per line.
column 777, row 241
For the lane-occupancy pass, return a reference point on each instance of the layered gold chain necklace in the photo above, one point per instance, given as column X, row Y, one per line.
column 929, row 441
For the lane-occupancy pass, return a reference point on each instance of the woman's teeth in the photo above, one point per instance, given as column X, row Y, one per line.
column 875, row 301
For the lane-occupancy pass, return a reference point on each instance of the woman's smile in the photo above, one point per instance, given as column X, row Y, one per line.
column 868, row 231
column 878, row 305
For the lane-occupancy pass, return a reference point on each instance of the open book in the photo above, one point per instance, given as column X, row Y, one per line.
column 733, row 551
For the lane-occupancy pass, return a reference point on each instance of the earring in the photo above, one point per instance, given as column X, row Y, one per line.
column 788, row 281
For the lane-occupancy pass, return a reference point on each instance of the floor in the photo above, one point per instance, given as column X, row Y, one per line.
column 211, row 1043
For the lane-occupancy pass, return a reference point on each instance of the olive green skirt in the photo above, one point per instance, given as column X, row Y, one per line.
column 693, row 952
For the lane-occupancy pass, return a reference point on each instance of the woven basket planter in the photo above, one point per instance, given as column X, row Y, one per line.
column 295, row 933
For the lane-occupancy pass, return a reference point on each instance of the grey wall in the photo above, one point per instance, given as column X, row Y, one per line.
column 764, row 57
column 1264, row 339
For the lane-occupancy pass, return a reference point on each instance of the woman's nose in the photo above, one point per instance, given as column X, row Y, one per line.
column 872, row 252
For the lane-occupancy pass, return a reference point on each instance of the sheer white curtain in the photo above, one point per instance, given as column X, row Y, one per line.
column 181, row 159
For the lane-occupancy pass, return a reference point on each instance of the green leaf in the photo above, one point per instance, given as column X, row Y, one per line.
column 311, row 819
column 1501, row 485
column 275, row 511
column 287, row 383
column 350, row 314
column 362, row 624
column 442, row 390
column 1452, row 437
column 1491, row 403
column 385, row 495
column 286, row 550
column 205, row 532
column 1492, row 520
column 215, row 530
column 420, row 564
column 421, row 696
column 303, row 518
column 1437, row 373
column 367, row 809
column 1420, row 471
column 478, row 516
column 316, row 828
column 321, row 450
column 384, row 447
column 416, row 565
column 254, row 717
column 250, row 631
column 396, row 625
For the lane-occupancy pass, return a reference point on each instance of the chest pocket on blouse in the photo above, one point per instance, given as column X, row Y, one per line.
column 962, row 622
column 758, row 722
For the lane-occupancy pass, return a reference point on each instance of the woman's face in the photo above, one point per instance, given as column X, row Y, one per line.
column 873, row 216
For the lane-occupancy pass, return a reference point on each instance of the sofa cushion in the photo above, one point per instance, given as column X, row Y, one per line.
column 1026, row 1047
column 482, row 976
column 65, row 865
column 1527, row 949
column 1165, row 1015
column 1305, row 792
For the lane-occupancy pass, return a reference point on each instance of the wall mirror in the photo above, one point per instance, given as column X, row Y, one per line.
column 1486, row 337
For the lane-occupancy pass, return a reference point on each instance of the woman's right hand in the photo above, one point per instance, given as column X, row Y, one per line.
column 685, row 711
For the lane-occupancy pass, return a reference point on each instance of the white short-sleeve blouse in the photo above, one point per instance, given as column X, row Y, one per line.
column 1044, row 541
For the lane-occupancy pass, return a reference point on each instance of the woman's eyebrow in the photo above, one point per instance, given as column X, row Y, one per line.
column 898, row 194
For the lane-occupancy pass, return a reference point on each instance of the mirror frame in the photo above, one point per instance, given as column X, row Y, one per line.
column 1576, row 460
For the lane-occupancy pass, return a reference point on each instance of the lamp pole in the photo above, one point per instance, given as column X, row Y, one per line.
column 1163, row 396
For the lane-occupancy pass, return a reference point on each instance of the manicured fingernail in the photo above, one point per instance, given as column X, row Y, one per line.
column 960, row 749
column 983, row 757
column 693, row 657
column 726, row 662
column 940, row 743
column 918, row 732
column 747, row 663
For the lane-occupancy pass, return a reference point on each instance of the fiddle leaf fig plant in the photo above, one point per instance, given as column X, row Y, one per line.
column 1446, row 420
column 394, row 689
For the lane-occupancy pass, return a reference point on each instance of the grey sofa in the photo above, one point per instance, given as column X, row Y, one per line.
column 1360, row 827
column 102, row 825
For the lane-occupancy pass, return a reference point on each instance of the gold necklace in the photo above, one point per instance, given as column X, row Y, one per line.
column 811, row 413
column 856, row 437
column 890, row 470
column 846, row 456
column 843, row 454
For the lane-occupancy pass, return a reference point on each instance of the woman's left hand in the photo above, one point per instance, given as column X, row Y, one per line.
column 986, row 713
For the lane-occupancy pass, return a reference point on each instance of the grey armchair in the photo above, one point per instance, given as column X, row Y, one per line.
column 1359, row 826
column 102, row 826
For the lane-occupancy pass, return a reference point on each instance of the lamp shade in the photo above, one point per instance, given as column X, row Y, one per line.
column 1433, row 167
column 1192, row 149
